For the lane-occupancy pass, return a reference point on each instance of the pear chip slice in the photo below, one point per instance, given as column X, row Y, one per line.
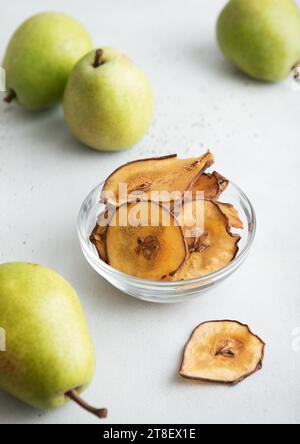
column 232, row 215
column 215, row 248
column 164, row 174
column 211, row 185
column 145, row 250
column 150, row 251
column 223, row 352
column 99, row 234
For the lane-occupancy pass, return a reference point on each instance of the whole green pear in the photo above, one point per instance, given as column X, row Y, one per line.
column 40, row 56
column 261, row 37
column 49, row 354
column 108, row 101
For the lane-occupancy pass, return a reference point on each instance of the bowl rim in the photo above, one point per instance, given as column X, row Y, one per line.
column 214, row 276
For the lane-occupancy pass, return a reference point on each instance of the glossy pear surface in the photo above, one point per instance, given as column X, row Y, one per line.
column 40, row 57
column 109, row 107
column 261, row 37
column 48, row 346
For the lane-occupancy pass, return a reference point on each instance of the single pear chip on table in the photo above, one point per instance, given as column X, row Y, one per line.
column 146, row 249
column 223, row 352
column 164, row 175
column 211, row 249
column 211, row 185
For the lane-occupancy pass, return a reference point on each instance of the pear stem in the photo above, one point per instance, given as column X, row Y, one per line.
column 296, row 72
column 98, row 58
column 100, row 413
column 11, row 95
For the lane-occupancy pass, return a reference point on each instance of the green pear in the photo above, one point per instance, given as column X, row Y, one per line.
column 49, row 355
column 108, row 101
column 261, row 37
column 40, row 57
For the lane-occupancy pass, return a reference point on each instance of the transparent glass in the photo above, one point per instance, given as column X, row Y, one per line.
column 165, row 292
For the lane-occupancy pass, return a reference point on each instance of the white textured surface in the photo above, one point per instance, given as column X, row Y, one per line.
column 202, row 102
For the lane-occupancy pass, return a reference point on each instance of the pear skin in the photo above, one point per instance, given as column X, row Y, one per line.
column 108, row 101
column 40, row 56
column 261, row 37
column 49, row 351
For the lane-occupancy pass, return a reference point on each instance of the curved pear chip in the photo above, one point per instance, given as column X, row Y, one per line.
column 223, row 182
column 143, row 239
column 223, row 352
column 164, row 175
column 232, row 215
column 211, row 248
column 211, row 185
column 98, row 236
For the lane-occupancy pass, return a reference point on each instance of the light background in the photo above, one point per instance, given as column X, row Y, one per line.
column 202, row 102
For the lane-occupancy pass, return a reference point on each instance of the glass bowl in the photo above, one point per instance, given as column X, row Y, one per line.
column 165, row 292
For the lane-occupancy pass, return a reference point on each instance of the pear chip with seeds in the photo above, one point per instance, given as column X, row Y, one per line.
column 223, row 352
column 205, row 244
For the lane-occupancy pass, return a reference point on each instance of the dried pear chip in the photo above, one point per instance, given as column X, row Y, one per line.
column 217, row 245
column 98, row 239
column 165, row 174
column 223, row 182
column 232, row 215
column 208, row 185
column 211, row 185
column 145, row 240
column 222, row 351
column 98, row 236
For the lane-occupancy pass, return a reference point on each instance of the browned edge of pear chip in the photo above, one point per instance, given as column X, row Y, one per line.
column 133, row 162
column 207, row 164
column 97, row 238
column 232, row 215
column 223, row 182
column 212, row 381
column 227, row 227
column 163, row 208
column 219, row 185
column 180, row 276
